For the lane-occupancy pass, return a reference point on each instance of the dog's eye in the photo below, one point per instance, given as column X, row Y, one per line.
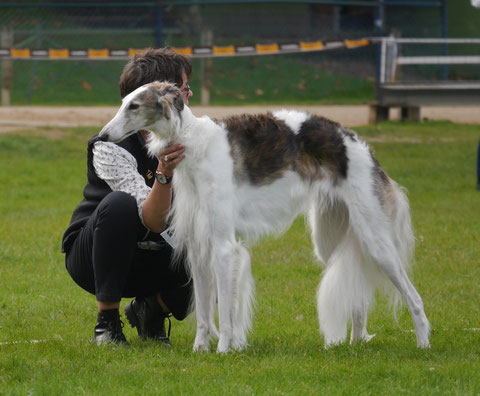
column 133, row 106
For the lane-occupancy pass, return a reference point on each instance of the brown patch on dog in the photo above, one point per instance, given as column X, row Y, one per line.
column 321, row 145
column 263, row 148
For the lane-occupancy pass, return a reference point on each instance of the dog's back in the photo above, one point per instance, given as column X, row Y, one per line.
column 265, row 146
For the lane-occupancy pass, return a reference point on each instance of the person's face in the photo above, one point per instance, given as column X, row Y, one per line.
column 185, row 89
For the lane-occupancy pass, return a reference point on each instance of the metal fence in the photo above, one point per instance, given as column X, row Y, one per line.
column 126, row 24
column 118, row 24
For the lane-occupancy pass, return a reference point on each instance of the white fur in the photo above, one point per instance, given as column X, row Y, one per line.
column 292, row 118
column 364, row 245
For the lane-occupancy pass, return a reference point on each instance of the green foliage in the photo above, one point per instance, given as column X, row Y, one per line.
column 43, row 173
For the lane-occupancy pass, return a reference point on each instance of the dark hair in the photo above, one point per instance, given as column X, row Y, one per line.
column 156, row 64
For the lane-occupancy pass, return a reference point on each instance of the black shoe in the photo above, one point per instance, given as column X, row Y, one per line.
column 147, row 316
column 108, row 329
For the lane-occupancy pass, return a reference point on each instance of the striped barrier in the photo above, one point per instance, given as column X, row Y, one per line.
column 194, row 52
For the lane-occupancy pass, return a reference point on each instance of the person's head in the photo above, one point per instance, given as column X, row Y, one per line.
column 157, row 64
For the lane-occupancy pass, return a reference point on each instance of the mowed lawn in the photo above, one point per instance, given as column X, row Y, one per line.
column 46, row 321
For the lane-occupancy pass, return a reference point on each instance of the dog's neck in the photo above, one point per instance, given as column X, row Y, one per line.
column 187, row 124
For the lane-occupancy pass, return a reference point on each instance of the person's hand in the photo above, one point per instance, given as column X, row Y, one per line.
column 169, row 158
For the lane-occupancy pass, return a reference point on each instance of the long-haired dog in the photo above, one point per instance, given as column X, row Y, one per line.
column 250, row 175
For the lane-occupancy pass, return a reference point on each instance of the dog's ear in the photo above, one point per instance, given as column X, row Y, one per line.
column 178, row 102
column 164, row 106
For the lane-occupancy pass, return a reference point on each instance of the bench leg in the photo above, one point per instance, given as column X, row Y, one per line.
column 410, row 113
column 377, row 113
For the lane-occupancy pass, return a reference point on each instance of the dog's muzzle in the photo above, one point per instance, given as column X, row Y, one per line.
column 103, row 135
column 106, row 135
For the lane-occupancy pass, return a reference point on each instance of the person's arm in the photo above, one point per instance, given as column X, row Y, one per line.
column 157, row 205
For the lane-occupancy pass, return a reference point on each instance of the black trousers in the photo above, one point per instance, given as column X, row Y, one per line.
column 106, row 260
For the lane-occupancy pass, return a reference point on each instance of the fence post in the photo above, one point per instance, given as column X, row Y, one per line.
column 444, row 32
column 206, row 69
column 6, row 41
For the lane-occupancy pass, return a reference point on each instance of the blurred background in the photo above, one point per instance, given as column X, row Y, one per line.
column 335, row 76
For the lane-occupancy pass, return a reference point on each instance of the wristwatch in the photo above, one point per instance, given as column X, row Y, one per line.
column 161, row 178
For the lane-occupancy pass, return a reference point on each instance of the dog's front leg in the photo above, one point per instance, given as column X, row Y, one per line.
column 224, row 275
column 202, row 283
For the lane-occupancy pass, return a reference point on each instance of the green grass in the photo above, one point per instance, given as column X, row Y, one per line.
column 235, row 81
column 42, row 174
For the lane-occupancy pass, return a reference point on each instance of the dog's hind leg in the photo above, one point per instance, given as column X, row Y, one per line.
column 359, row 326
column 374, row 232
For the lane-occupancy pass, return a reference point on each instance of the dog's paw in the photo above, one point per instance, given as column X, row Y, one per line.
column 224, row 345
column 239, row 347
column 333, row 342
column 223, row 350
column 364, row 338
column 368, row 337
column 201, row 347
column 202, row 343
column 423, row 345
column 239, row 342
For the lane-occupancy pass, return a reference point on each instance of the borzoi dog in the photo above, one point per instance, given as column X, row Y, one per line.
column 250, row 175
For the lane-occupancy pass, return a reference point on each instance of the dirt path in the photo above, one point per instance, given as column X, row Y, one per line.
column 19, row 117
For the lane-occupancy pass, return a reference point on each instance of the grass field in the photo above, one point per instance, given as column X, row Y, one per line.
column 42, row 173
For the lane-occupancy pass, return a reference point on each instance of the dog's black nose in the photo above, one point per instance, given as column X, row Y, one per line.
column 103, row 137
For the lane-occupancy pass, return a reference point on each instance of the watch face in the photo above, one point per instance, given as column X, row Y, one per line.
column 161, row 178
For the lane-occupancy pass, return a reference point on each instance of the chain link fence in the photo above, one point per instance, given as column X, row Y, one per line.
column 321, row 77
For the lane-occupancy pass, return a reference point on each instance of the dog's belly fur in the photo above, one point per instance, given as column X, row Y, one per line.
column 272, row 207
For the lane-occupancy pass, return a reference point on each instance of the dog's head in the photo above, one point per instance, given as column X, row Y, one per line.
column 156, row 107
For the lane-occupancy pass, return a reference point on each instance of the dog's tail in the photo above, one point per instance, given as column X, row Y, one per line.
column 346, row 290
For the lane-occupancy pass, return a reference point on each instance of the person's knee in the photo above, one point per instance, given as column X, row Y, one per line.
column 119, row 208
column 121, row 203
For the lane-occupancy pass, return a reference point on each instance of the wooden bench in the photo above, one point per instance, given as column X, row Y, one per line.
column 410, row 97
